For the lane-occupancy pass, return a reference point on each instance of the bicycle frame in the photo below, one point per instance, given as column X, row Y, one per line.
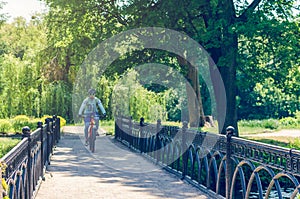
column 92, row 134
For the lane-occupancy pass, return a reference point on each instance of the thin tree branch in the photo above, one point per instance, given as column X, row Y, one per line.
column 250, row 9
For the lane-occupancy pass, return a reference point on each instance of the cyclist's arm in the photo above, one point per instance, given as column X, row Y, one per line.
column 82, row 107
column 99, row 103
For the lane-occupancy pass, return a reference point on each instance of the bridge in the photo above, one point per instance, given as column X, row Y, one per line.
column 150, row 161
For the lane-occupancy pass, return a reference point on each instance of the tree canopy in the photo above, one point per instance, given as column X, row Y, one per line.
column 254, row 44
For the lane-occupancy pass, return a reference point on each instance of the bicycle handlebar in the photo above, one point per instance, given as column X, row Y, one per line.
column 93, row 115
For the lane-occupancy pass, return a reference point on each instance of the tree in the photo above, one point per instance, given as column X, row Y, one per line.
column 26, row 88
column 268, row 57
column 20, row 76
column 3, row 16
column 218, row 25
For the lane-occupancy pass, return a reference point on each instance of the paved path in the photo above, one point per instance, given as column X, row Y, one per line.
column 288, row 133
column 111, row 172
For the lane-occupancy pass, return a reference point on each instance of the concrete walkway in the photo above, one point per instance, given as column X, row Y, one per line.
column 113, row 171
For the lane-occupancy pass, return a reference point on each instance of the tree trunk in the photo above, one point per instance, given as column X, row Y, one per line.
column 195, row 107
column 219, row 18
column 228, row 73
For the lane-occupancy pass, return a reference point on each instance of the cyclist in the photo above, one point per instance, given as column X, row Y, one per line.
column 89, row 107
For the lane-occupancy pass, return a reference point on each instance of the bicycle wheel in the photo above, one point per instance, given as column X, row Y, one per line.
column 92, row 139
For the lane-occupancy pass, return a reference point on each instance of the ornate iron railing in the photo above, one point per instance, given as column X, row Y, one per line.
column 221, row 165
column 25, row 164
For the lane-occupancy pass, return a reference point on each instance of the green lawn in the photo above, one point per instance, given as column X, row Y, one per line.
column 245, row 128
column 108, row 126
column 6, row 144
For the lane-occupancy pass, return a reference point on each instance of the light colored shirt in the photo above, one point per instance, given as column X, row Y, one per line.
column 89, row 106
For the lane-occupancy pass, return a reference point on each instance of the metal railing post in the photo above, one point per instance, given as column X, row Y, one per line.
column 130, row 134
column 142, row 137
column 40, row 125
column 157, row 142
column 117, row 127
column 26, row 133
column 2, row 191
column 183, row 149
column 229, row 134
column 57, row 128
column 47, row 121
column 54, row 130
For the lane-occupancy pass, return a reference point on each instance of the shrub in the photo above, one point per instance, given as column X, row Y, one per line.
column 21, row 118
column 295, row 144
column 43, row 119
column 19, row 122
column 63, row 122
column 288, row 122
column 5, row 126
column 250, row 123
column 270, row 124
column 297, row 116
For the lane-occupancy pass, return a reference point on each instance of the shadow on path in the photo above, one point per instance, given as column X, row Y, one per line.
column 113, row 171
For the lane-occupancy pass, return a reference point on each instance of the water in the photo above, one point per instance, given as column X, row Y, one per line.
column 286, row 193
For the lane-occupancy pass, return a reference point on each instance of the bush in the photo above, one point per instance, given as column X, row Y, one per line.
column 19, row 122
column 21, row 118
column 250, row 123
column 295, row 144
column 270, row 124
column 297, row 116
column 288, row 122
column 62, row 123
column 5, row 126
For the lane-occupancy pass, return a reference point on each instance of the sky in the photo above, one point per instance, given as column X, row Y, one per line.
column 27, row 8
column 24, row 8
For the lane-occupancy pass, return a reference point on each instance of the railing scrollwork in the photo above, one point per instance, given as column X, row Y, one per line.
column 232, row 168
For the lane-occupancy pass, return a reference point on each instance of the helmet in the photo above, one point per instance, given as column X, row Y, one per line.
column 91, row 91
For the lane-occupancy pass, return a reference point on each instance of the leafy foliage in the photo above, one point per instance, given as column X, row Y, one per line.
column 39, row 60
column 5, row 126
column 267, row 123
column 131, row 99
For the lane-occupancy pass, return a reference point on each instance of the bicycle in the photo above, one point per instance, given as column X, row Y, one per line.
column 92, row 134
column 92, row 131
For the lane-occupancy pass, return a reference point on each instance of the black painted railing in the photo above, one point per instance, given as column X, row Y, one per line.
column 24, row 166
column 221, row 165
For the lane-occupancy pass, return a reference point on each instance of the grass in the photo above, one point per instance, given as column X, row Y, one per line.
column 259, row 127
column 6, row 144
column 283, row 141
column 245, row 128
column 108, row 126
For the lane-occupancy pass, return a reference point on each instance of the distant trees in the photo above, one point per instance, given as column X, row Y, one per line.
column 255, row 46
column 27, row 87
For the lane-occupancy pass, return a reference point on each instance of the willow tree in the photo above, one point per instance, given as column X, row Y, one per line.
column 20, row 71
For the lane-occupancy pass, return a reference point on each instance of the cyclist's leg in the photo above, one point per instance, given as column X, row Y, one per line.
column 97, row 125
column 86, row 127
